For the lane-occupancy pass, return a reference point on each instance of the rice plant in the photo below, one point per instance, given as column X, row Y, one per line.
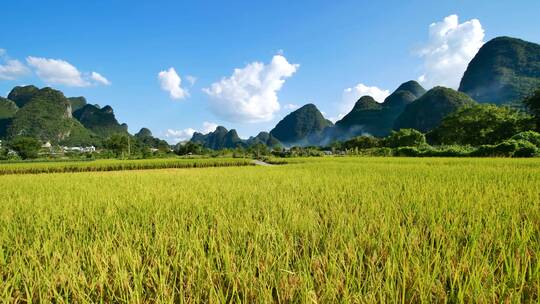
column 328, row 230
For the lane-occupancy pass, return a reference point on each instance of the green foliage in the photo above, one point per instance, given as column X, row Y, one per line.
column 405, row 138
column 508, row 148
column 504, row 70
column 530, row 136
column 118, row 144
column 189, row 148
column 480, row 124
column 26, row 147
column 362, row 142
column 427, row 112
column 533, row 104
column 301, row 127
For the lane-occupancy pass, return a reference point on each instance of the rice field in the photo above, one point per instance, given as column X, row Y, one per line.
column 117, row 165
column 319, row 230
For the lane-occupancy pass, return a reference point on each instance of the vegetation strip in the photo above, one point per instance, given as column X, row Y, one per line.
column 117, row 165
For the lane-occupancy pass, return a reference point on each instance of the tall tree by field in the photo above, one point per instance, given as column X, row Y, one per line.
column 118, row 144
column 26, row 147
column 533, row 104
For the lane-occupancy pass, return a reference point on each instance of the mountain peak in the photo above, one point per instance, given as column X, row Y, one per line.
column 504, row 70
column 298, row 126
column 413, row 87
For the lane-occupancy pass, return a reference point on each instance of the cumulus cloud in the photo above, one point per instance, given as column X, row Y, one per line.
column 179, row 135
column 250, row 93
column 61, row 72
column 291, row 107
column 176, row 136
column 208, row 127
column 450, row 48
column 11, row 69
column 99, row 78
column 171, row 82
column 57, row 71
column 351, row 95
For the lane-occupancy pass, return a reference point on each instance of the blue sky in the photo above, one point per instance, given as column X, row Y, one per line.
column 288, row 53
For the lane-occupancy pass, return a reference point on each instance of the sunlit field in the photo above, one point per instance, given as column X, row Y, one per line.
column 320, row 230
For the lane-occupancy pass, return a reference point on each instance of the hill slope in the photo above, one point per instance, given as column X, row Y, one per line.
column 100, row 121
column 47, row 116
column 504, row 70
column 301, row 127
column 368, row 116
column 426, row 112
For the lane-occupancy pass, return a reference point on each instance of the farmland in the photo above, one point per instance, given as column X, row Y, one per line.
column 315, row 230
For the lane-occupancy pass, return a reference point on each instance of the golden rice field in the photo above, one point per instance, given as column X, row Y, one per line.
column 326, row 230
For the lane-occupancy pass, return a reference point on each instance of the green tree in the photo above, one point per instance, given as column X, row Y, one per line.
column 26, row 147
column 533, row 104
column 189, row 148
column 480, row 124
column 118, row 144
column 362, row 142
column 405, row 138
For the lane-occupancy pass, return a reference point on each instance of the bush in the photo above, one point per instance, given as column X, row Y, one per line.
column 405, row 138
column 26, row 147
column 530, row 136
column 408, row 151
column 362, row 142
column 508, row 148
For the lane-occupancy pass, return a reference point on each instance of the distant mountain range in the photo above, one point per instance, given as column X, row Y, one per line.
column 503, row 72
column 48, row 115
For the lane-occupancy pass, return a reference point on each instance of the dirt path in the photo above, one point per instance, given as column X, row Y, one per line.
column 261, row 163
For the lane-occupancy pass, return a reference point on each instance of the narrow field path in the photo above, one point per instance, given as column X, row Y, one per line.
column 261, row 163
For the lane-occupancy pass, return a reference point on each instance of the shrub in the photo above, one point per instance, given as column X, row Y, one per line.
column 362, row 142
column 26, row 147
column 508, row 148
column 405, row 138
column 530, row 136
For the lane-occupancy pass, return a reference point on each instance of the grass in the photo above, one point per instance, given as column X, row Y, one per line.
column 317, row 230
column 117, row 165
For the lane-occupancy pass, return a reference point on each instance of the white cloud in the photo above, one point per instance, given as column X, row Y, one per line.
column 351, row 95
column 336, row 118
column 57, row 71
column 450, row 48
column 208, row 127
column 171, row 82
column 176, row 136
column 99, row 78
column 250, row 93
column 11, row 69
column 179, row 135
column 291, row 107
column 61, row 72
